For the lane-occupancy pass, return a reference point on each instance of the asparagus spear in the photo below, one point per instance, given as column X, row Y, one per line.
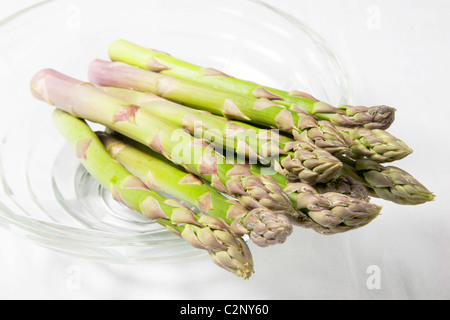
column 377, row 144
column 297, row 160
column 223, row 103
column 388, row 182
column 162, row 176
column 345, row 184
column 256, row 145
column 377, row 117
column 204, row 232
column 86, row 101
column 327, row 212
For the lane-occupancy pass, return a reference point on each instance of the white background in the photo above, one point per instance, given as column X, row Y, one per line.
column 397, row 53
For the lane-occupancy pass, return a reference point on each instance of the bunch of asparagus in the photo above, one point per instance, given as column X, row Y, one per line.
column 250, row 161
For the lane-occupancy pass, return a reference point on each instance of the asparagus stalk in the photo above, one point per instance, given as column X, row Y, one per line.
column 204, row 232
column 388, row 182
column 256, row 145
column 376, row 145
column 377, row 117
column 345, row 184
column 219, row 102
column 86, row 101
column 296, row 160
column 162, row 176
column 328, row 212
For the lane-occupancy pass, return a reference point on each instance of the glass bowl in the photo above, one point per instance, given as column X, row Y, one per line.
column 45, row 195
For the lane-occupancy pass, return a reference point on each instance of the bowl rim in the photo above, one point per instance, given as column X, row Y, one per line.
column 344, row 84
column 48, row 233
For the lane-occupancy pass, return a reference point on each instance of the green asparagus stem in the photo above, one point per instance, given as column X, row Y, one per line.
column 296, row 160
column 327, row 213
column 377, row 117
column 250, row 142
column 376, row 144
column 85, row 101
column 223, row 103
column 204, row 232
column 388, row 182
column 162, row 176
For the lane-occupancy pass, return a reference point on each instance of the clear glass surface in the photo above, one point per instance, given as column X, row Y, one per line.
column 45, row 195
